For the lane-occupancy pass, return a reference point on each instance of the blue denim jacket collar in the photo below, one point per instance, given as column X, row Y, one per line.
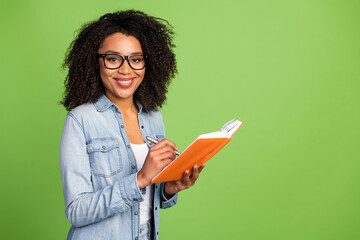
column 104, row 103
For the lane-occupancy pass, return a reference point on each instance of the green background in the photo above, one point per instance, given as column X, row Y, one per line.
column 289, row 69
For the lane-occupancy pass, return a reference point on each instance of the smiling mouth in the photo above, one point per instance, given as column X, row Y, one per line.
column 124, row 83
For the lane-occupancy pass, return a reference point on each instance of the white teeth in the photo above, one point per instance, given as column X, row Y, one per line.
column 128, row 81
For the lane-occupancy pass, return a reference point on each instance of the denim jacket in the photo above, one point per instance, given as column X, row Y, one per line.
column 99, row 172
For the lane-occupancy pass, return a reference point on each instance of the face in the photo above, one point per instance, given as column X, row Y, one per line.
column 120, row 84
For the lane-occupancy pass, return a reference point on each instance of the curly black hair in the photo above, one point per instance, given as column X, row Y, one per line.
column 83, row 83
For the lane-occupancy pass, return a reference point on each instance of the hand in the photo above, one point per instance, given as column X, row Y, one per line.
column 159, row 155
column 176, row 186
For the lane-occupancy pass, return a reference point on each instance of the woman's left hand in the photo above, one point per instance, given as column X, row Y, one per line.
column 173, row 187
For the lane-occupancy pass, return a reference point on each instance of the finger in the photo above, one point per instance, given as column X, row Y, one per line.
column 162, row 160
column 161, row 154
column 202, row 167
column 186, row 180
column 170, row 143
column 157, row 146
column 165, row 162
column 195, row 174
column 166, row 142
column 165, row 155
column 161, row 149
column 165, row 148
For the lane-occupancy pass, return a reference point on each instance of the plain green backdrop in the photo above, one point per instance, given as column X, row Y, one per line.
column 289, row 69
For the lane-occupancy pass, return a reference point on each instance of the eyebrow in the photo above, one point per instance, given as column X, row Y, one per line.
column 134, row 53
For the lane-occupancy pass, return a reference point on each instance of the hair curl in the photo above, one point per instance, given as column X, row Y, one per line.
column 83, row 83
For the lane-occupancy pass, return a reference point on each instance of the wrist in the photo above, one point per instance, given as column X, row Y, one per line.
column 168, row 194
column 141, row 180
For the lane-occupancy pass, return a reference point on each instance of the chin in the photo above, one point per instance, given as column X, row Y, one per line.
column 124, row 95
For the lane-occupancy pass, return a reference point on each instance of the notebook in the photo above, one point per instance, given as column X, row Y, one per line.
column 200, row 151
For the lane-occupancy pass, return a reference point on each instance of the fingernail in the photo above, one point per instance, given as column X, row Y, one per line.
column 195, row 167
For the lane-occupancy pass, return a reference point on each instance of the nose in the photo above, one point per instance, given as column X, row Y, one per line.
column 125, row 68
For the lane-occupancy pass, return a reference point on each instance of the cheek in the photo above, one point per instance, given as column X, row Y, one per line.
column 104, row 73
column 142, row 74
column 102, row 69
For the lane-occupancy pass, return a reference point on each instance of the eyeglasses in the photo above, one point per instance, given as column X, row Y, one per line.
column 115, row 61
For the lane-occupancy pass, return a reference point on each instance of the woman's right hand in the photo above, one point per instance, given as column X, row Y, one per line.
column 159, row 155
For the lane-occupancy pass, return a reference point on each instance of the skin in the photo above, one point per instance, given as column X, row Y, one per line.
column 162, row 153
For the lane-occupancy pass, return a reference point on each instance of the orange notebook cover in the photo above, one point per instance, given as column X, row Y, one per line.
column 199, row 152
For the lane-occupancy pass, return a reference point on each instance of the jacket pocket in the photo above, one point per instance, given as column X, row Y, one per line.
column 105, row 158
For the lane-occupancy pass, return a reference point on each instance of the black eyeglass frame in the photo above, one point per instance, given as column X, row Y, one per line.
column 127, row 58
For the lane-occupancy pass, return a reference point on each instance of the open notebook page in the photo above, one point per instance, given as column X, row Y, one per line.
column 225, row 132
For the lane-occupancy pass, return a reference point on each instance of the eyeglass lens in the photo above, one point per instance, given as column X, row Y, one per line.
column 115, row 61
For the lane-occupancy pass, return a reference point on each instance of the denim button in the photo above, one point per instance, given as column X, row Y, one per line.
column 136, row 213
column 122, row 126
column 128, row 146
column 133, row 167
column 136, row 238
column 135, row 199
column 155, row 208
column 142, row 126
column 103, row 147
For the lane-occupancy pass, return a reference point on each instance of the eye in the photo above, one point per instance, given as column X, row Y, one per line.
column 112, row 58
column 137, row 59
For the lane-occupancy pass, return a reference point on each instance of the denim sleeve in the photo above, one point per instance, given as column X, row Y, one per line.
column 83, row 205
column 164, row 202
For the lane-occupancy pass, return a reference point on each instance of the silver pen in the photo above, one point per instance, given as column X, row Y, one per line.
column 155, row 142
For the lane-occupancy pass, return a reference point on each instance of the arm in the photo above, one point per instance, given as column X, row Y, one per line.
column 166, row 200
column 83, row 205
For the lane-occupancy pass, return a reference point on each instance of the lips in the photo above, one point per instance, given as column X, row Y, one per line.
column 124, row 82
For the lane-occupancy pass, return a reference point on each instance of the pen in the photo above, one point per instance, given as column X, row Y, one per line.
column 155, row 142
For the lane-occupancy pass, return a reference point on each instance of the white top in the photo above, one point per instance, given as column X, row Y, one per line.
column 146, row 206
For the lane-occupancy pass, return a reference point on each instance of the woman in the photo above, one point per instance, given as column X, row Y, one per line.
column 119, row 70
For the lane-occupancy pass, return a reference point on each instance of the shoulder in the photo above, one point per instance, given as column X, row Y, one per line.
column 81, row 113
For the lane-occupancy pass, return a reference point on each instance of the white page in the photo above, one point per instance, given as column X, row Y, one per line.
column 225, row 132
